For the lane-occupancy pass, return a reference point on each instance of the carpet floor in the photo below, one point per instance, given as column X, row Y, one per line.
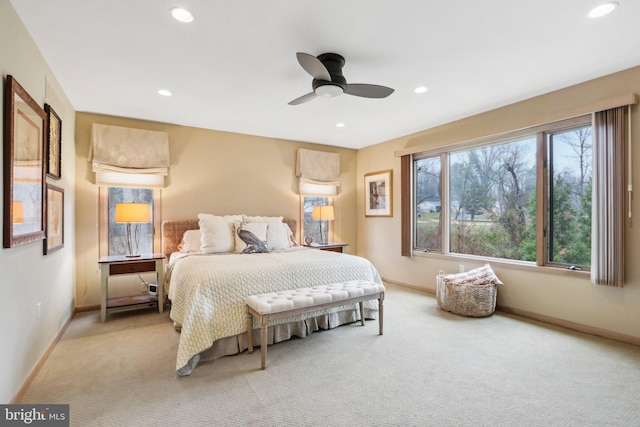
column 431, row 368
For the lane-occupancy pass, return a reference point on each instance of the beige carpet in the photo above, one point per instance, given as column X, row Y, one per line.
column 431, row 368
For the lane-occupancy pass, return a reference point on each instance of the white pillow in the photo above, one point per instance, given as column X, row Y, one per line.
column 277, row 237
column 190, row 241
column 257, row 236
column 216, row 233
column 289, row 235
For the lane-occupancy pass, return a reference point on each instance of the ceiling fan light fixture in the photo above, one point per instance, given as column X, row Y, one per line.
column 329, row 90
column 420, row 89
column 182, row 15
column 603, row 9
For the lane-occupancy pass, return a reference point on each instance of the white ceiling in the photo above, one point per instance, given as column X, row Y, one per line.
column 234, row 67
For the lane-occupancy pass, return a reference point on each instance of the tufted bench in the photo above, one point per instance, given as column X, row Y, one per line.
column 276, row 305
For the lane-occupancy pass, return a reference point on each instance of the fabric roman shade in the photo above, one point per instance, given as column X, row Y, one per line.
column 127, row 157
column 319, row 172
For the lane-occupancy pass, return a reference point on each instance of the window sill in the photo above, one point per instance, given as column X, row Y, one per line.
column 512, row 264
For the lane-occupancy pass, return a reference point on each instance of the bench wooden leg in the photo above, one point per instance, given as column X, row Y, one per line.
column 381, row 311
column 249, row 331
column 361, row 304
column 264, row 331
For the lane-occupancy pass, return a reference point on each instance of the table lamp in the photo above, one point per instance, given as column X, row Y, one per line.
column 133, row 213
column 323, row 213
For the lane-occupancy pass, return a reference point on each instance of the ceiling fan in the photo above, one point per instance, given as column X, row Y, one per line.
column 328, row 81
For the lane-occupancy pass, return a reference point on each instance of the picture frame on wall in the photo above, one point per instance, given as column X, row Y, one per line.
column 23, row 164
column 54, row 143
column 55, row 219
column 379, row 193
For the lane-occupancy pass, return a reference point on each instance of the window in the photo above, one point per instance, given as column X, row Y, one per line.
column 113, row 234
column 428, row 197
column 311, row 227
column 569, row 197
column 490, row 191
column 499, row 193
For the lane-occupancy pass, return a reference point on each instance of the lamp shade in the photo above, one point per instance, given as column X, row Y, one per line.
column 133, row 212
column 323, row 213
column 18, row 212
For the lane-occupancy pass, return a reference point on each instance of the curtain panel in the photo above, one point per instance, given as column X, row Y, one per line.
column 608, row 212
column 405, row 206
column 127, row 157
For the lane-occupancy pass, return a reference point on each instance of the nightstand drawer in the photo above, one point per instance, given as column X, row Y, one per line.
column 333, row 249
column 132, row 267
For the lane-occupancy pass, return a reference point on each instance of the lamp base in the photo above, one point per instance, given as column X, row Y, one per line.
column 133, row 256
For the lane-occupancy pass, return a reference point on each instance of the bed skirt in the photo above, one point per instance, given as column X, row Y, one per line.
column 277, row 333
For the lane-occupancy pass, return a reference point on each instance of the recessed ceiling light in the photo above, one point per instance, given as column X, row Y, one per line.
column 420, row 89
column 340, row 125
column 164, row 92
column 182, row 15
column 602, row 10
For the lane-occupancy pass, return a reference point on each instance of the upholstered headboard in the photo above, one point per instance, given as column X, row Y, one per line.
column 173, row 230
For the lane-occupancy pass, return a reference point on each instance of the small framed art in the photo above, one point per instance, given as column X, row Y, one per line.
column 378, row 193
column 54, row 143
column 55, row 219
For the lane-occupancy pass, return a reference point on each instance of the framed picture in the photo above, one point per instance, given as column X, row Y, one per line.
column 54, row 142
column 55, row 219
column 24, row 134
column 378, row 193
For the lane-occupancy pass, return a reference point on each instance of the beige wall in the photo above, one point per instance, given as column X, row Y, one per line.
column 570, row 298
column 27, row 277
column 213, row 172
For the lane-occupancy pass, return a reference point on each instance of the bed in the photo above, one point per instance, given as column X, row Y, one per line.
column 207, row 292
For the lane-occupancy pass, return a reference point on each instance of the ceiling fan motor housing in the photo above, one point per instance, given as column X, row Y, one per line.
column 333, row 63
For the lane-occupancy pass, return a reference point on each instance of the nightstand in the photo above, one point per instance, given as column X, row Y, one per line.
column 331, row 246
column 117, row 265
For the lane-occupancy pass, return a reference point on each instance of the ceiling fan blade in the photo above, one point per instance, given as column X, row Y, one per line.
column 304, row 98
column 368, row 91
column 313, row 66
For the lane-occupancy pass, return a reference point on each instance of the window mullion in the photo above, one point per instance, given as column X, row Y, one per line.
column 445, row 211
column 541, row 198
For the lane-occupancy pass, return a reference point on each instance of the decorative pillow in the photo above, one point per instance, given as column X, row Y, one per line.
column 216, row 233
column 190, row 241
column 277, row 238
column 251, row 237
column 478, row 276
column 291, row 242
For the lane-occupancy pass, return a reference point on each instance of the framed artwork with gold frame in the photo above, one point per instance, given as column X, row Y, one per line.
column 378, row 193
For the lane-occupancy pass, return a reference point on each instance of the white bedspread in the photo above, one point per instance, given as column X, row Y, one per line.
column 207, row 292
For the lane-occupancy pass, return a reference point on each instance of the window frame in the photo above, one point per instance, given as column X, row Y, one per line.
column 542, row 176
column 542, row 216
column 331, row 201
column 103, row 220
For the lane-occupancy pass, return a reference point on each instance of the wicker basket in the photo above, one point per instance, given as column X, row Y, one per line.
column 466, row 299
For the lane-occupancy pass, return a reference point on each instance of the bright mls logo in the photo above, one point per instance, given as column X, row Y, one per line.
column 36, row 415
